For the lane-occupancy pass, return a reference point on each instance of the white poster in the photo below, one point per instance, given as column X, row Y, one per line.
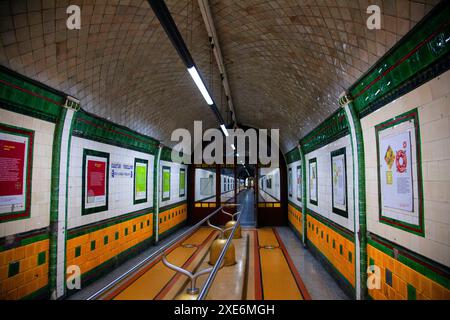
column 313, row 181
column 339, row 187
column 290, row 182
column 299, row 182
column 396, row 171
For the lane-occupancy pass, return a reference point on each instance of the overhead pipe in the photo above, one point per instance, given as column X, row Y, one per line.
column 211, row 29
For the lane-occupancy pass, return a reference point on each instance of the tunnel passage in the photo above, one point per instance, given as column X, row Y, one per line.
column 88, row 181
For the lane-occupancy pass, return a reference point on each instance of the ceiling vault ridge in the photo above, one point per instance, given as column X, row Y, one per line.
column 211, row 29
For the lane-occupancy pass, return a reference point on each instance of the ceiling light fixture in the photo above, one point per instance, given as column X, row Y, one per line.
column 224, row 129
column 200, row 85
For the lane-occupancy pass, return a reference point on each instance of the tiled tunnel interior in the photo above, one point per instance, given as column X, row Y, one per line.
column 359, row 200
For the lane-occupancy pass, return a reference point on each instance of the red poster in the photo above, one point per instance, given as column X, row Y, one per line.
column 96, row 178
column 12, row 158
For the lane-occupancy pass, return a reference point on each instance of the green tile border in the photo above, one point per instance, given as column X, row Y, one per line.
column 343, row 282
column 425, row 266
column 92, row 127
column 350, row 235
column 331, row 129
column 295, row 206
column 102, row 224
column 420, row 49
column 23, row 239
column 29, row 97
column 107, row 266
column 40, row 294
column 292, row 156
column 171, row 206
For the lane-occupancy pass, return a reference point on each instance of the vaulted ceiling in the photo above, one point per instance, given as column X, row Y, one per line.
column 287, row 60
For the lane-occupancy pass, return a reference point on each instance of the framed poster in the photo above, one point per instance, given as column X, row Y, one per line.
column 165, row 181
column 399, row 173
column 313, row 192
column 16, row 157
column 299, row 181
column 95, row 181
column 182, row 186
column 290, row 182
column 207, row 186
column 339, row 182
column 140, row 180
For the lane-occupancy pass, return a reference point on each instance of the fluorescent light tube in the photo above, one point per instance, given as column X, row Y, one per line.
column 233, row 147
column 198, row 81
column 224, row 129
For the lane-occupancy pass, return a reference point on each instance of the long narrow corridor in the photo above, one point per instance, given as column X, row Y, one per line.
column 246, row 198
column 224, row 150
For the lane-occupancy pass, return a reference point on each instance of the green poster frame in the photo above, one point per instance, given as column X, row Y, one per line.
column 29, row 134
column 418, row 229
column 84, row 210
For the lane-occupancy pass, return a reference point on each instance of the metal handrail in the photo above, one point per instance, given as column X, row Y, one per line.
column 232, row 215
column 222, row 231
column 218, row 264
column 193, row 276
column 154, row 254
column 190, row 275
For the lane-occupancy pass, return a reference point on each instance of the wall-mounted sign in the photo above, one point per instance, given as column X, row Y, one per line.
column 165, row 183
column 290, row 182
column 299, row 183
column 182, row 187
column 313, row 192
column 399, row 173
column 339, row 182
column 95, row 181
column 15, row 172
column 396, row 171
column 140, row 180
column 121, row 170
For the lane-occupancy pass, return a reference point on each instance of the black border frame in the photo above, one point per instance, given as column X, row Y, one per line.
column 338, row 152
column 311, row 161
column 179, row 182
column 162, row 182
column 95, row 153
column 135, row 201
column 301, row 182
